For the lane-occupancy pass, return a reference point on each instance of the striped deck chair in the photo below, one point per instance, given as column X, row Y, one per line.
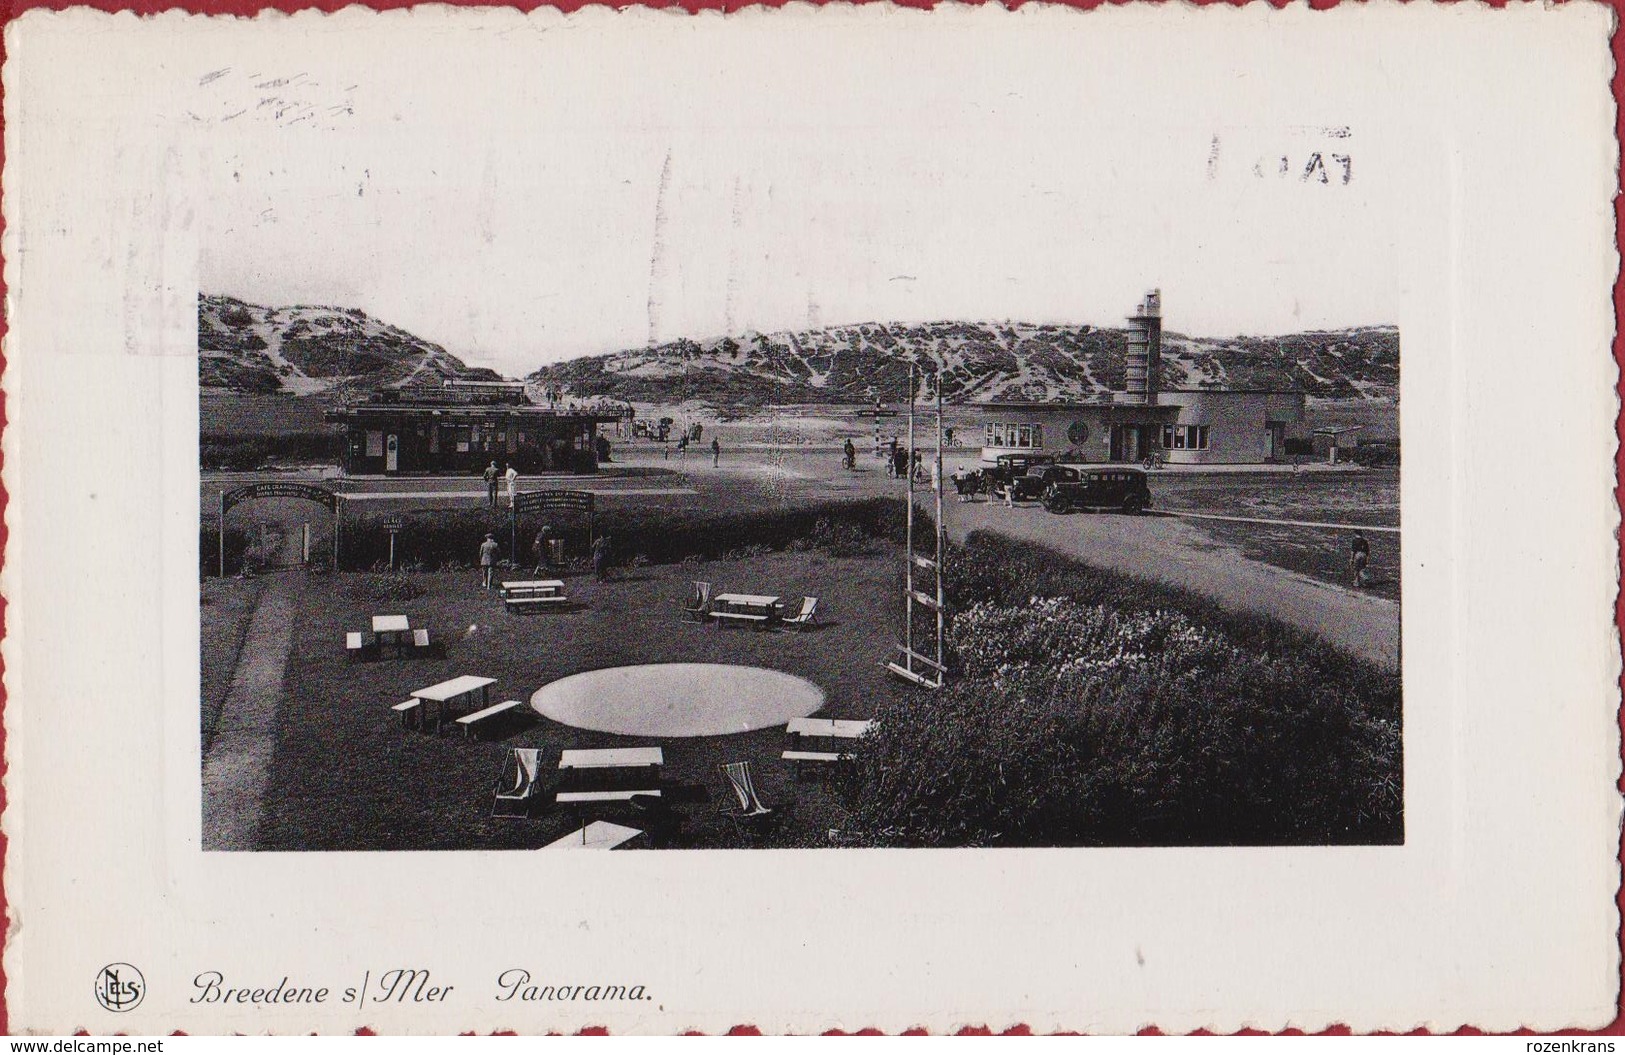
column 808, row 616
column 744, row 789
column 513, row 796
column 698, row 606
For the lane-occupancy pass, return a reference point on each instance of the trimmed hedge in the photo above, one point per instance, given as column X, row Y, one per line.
column 451, row 537
column 208, row 550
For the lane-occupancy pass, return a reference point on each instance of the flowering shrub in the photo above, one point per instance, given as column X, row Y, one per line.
column 1072, row 721
column 1064, row 637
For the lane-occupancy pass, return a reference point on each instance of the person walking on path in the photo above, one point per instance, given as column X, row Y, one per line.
column 488, row 559
column 1359, row 557
column 716, row 453
column 600, row 558
column 851, row 454
column 512, row 476
column 491, row 483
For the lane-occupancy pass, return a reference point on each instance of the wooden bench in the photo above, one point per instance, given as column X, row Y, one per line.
column 407, row 709
column 614, row 774
column 356, row 642
column 817, row 756
column 821, row 734
column 604, row 796
column 420, row 639
column 469, row 721
column 747, row 618
column 526, row 600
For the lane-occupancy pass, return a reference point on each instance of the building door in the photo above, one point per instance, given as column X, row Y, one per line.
column 1274, row 442
column 1131, row 443
column 392, row 454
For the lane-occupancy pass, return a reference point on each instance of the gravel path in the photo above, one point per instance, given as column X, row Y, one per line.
column 238, row 765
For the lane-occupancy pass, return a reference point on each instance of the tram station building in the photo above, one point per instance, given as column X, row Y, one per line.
column 464, row 427
column 1190, row 426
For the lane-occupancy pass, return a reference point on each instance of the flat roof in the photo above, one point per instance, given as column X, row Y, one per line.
column 1240, row 391
column 465, row 410
column 1120, row 407
column 1065, row 404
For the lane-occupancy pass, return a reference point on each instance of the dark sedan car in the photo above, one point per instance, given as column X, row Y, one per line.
column 1031, row 486
column 1106, row 487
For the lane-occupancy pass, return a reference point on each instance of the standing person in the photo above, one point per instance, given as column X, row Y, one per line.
column 716, row 453
column 600, row 557
column 512, row 476
column 891, row 460
column 851, row 453
column 682, row 447
column 1359, row 557
column 488, row 559
column 491, row 483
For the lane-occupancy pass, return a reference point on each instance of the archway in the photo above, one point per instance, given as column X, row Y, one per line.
column 277, row 489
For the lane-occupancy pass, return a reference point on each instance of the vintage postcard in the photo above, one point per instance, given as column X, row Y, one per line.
column 936, row 498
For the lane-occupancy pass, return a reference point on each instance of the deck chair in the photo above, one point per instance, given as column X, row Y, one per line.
column 744, row 789
column 808, row 616
column 699, row 605
column 513, row 796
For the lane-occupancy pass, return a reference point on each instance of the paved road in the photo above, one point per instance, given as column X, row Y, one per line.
column 1166, row 549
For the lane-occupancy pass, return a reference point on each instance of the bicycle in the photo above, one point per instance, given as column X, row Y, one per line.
column 1157, row 459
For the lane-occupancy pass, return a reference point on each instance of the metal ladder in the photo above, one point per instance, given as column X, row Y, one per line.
column 921, row 570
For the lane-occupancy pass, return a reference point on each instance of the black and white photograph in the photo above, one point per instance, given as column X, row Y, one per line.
column 642, row 487
column 937, row 494
column 1026, row 582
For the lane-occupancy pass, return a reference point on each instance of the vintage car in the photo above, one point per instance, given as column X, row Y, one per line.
column 1007, row 467
column 1031, row 487
column 1100, row 487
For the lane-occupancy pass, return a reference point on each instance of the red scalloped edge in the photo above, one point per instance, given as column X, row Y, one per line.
column 11, row 9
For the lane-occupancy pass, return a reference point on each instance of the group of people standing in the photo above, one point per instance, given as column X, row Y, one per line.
column 547, row 551
column 493, row 476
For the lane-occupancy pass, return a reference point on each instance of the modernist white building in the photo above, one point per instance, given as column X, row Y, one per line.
column 1191, row 426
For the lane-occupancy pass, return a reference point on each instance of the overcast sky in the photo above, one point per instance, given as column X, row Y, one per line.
column 579, row 192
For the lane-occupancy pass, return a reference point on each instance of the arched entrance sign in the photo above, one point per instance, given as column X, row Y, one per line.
column 278, row 489
column 548, row 501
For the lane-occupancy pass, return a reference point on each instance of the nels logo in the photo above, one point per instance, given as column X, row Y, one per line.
column 120, row 987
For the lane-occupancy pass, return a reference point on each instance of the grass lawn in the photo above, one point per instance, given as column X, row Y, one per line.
column 252, row 414
column 227, row 605
column 1369, row 497
column 345, row 776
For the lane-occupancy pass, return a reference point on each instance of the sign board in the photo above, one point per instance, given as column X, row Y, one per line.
column 277, row 489
column 547, row 501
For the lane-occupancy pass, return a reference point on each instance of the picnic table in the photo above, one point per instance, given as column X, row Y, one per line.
column 458, row 691
column 836, row 730
column 750, row 608
column 613, row 774
column 541, row 592
column 392, row 629
column 599, row 835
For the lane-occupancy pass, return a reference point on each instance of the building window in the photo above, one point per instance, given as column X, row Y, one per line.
column 1184, row 437
column 375, row 444
column 1021, row 437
